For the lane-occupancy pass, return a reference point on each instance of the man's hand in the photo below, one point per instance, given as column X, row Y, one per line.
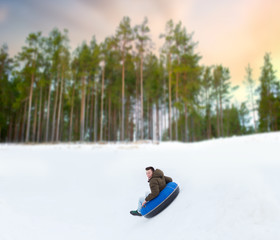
column 144, row 203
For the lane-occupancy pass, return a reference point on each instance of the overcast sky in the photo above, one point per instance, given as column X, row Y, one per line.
column 232, row 33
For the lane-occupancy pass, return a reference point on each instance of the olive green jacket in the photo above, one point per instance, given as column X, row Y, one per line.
column 157, row 183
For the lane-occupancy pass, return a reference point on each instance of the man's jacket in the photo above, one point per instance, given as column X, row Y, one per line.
column 157, row 183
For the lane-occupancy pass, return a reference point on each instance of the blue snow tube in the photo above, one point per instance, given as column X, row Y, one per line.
column 165, row 197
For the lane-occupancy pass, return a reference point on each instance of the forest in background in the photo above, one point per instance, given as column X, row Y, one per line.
column 120, row 90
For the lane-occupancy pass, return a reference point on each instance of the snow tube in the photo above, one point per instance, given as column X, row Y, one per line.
column 165, row 197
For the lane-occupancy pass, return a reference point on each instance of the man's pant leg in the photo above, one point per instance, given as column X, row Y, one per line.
column 141, row 200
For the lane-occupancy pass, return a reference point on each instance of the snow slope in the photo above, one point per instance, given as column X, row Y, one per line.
column 229, row 190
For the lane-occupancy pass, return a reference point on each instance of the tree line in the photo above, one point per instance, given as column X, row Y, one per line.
column 120, row 90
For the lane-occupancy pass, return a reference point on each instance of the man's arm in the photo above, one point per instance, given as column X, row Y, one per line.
column 168, row 179
column 154, row 190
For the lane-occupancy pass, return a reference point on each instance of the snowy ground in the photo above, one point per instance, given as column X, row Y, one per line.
column 230, row 189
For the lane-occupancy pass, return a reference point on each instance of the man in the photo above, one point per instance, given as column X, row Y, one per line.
column 157, row 182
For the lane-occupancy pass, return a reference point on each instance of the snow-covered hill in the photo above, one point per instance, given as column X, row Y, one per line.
column 230, row 189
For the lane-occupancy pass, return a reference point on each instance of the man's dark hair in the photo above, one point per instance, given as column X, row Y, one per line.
column 150, row 168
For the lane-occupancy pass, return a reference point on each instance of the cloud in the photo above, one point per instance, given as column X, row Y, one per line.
column 113, row 11
column 107, row 7
column 3, row 14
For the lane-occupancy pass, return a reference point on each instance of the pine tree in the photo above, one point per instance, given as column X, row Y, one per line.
column 143, row 39
column 167, row 50
column 223, row 89
column 124, row 36
column 243, row 116
column 6, row 91
column 31, row 57
column 84, row 68
column 269, row 97
column 208, row 97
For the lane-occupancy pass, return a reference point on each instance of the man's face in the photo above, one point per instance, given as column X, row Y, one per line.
column 149, row 173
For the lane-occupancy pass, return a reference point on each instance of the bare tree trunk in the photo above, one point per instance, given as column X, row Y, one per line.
column 43, row 118
column 60, row 137
column 161, row 120
column 24, row 121
column 126, row 131
column 91, row 113
column 221, row 115
column 59, row 106
column 10, row 130
column 114, row 124
column 76, row 129
column 228, row 127
column 177, row 100
column 82, row 117
column 117, row 124
column 253, row 106
column 54, row 111
column 123, row 99
column 157, row 121
column 101, row 110
column 208, row 115
column 35, row 121
column 209, row 132
column 40, row 113
column 141, row 93
column 186, row 124
column 137, row 107
column 48, row 113
column 29, row 108
column 87, row 113
column 120, row 124
column 16, row 127
column 11, row 127
column 148, row 119
column 193, row 128
column 131, row 129
column 150, row 114
column 152, row 120
column 95, row 115
column 275, row 121
column 20, row 119
column 170, row 122
column 164, row 107
column 182, row 134
column 109, row 118
column 71, row 113
column 218, row 117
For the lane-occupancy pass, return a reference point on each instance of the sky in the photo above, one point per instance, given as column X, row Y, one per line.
column 231, row 33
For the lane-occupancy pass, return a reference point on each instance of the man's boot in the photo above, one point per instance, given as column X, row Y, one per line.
column 135, row 213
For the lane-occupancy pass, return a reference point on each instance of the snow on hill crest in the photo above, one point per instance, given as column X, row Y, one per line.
column 229, row 190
